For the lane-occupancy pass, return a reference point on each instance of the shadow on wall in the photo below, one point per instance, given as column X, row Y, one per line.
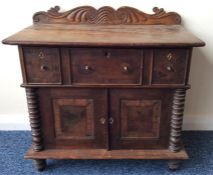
column 200, row 97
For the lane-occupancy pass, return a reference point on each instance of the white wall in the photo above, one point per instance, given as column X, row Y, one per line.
column 197, row 17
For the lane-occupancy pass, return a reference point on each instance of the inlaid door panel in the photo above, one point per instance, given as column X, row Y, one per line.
column 79, row 117
column 140, row 118
column 74, row 118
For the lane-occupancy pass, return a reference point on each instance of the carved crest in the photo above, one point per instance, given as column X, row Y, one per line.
column 106, row 16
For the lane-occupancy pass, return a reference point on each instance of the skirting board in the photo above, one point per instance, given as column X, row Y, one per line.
column 198, row 123
column 21, row 122
column 11, row 122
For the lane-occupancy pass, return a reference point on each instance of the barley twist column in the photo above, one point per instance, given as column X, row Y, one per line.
column 35, row 123
column 175, row 143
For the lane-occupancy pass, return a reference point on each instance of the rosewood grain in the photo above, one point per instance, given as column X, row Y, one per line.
column 105, row 83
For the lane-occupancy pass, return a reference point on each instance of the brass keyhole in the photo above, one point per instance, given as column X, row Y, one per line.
column 111, row 120
column 107, row 54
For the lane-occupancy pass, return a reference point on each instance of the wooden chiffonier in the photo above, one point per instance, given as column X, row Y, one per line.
column 105, row 84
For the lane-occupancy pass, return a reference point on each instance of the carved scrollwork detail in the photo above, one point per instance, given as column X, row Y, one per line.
column 175, row 144
column 35, row 121
column 107, row 16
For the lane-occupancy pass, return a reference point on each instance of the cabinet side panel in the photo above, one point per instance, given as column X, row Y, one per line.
column 23, row 69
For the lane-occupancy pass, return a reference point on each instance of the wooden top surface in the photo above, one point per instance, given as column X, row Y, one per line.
column 105, row 35
column 87, row 26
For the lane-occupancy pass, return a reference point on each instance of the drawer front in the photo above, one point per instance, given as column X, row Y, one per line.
column 106, row 66
column 170, row 66
column 42, row 65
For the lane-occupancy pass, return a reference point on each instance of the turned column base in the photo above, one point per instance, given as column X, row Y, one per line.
column 40, row 164
column 174, row 164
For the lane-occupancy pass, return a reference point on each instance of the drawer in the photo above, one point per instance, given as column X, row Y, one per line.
column 170, row 66
column 42, row 65
column 106, row 66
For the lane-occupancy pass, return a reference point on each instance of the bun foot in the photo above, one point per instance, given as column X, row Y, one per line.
column 40, row 164
column 174, row 164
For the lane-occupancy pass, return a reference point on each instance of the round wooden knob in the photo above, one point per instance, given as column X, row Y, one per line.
column 169, row 68
column 125, row 68
column 102, row 120
column 44, row 67
column 86, row 68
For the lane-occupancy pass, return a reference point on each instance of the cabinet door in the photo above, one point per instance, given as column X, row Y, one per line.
column 74, row 118
column 139, row 118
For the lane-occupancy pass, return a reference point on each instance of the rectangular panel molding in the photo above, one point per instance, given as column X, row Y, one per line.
column 74, row 118
column 140, row 119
